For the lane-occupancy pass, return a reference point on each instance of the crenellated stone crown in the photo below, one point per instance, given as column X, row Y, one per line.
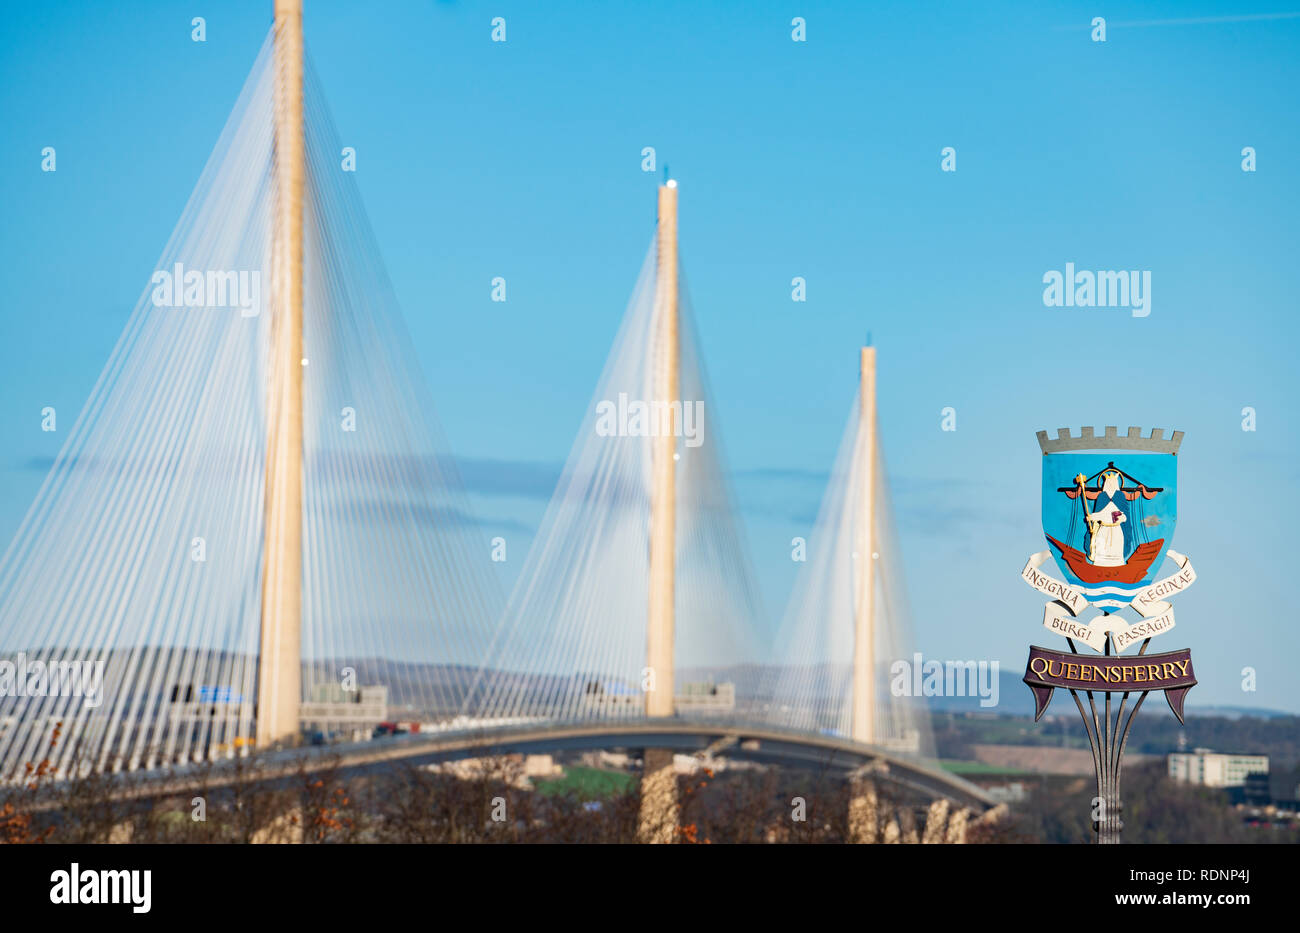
column 1088, row 439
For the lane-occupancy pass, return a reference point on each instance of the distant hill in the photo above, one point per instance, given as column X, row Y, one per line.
column 1236, row 712
column 420, row 688
column 1015, row 699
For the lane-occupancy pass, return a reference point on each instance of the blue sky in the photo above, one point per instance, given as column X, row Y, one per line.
column 818, row 159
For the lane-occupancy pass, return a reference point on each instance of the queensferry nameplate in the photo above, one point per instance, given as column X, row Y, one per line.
column 1171, row 672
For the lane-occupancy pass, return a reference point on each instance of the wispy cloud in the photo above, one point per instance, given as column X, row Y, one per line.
column 391, row 512
column 818, row 477
column 923, row 505
column 526, row 479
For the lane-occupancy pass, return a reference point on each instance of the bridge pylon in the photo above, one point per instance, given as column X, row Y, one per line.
column 279, row 679
column 658, row 817
column 864, row 803
column 864, row 626
column 661, row 611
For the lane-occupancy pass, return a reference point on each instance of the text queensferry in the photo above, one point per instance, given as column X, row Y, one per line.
column 1109, row 673
column 1170, row 672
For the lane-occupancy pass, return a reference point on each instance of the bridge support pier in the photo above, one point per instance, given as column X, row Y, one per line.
column 957, row 822
column 907, row 826
column 658, row 819
column 864, row 811
column 285, row 829
column 936, row 823
column 874, row 821
column 986, row 820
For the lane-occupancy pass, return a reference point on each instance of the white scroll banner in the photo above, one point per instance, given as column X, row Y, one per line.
column 1091, row 633
column 1073, row 599
column 1150, row 601
column 1122, row 634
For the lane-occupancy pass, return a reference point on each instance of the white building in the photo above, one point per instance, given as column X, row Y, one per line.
column 706, row 699
column 1212, row 769
column 611, row 698
column 332, row 706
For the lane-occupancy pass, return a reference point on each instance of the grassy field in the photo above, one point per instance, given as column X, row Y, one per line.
column 586, row 783
column 977, row 767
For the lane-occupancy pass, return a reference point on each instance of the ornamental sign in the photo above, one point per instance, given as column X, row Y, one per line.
column 1170, row 672
column 1109, row 505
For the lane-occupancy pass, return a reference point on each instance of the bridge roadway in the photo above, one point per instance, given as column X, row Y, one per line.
column 744, row 741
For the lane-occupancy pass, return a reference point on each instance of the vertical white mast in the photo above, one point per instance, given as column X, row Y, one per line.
column 663, row 496
column 279, row 688
column 658, row 817
column 864, row 629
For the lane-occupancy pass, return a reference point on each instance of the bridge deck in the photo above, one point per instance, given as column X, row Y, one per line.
column 751, row 742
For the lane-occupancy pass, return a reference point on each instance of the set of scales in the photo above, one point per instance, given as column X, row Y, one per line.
column 1115, row 497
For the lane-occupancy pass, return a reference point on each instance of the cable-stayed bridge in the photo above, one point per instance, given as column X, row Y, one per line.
column 255, row 531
